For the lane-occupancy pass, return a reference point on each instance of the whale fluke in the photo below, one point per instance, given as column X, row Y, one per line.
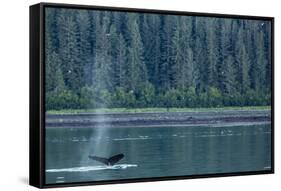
column 108, row 161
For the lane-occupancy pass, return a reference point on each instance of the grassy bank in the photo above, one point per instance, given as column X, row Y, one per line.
column 147, row 110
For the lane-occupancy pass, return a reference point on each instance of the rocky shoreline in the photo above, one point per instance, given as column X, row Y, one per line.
column 220, row 118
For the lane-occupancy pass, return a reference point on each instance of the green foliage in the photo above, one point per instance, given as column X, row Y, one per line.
column 173, row 98
column 120, row 98
column 65, row 99
column 95, row 59
column 148, row 94
column 190, row 97
column 214, row 97
column 156, row 109
column 130, row 99
column 87, row 99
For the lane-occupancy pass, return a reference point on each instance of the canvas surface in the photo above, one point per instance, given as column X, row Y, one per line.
column 173, row 95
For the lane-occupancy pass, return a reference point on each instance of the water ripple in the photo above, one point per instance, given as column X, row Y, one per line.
column 92, row 168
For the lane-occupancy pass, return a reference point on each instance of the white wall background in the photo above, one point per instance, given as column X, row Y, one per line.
column 14, row 87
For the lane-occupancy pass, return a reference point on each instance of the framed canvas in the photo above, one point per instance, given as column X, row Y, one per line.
column 122, row 95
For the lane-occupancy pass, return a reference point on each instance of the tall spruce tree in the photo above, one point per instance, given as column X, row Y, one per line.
column 103, row 62
column 203, row 72
column 85, row 41
column 69, row 49
column 137, row 68
column 121, row 63
column 261, row 63
column 244, row 67
column 165, row 66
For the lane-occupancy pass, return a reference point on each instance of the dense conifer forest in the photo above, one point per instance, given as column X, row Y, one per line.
column 97, row 59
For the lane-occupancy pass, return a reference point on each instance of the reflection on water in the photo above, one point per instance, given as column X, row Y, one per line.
column 155, row 151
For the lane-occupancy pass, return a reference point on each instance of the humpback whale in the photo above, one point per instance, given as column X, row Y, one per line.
column 108, row 161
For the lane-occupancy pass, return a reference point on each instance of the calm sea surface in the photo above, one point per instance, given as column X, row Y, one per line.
column 155, row 151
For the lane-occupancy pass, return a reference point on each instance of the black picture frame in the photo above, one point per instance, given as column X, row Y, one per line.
column 37, row 96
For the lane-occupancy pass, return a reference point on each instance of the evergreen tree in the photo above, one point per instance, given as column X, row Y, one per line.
column 229, row 73
column 113, row 52
column 261, row 63
column 121, row 62
column 202, row 69
column 182, row 70
column 85, row 40
column 165, row 66
column 53, row 71
column 213, row 53
column 103, row 62
column 150, row 34
column 69, row 49
column 137, row 68
column 244, row 66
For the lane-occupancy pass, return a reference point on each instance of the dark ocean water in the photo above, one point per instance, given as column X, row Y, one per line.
column 155, row 151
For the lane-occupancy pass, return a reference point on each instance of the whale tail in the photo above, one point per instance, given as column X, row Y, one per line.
column 108, row 161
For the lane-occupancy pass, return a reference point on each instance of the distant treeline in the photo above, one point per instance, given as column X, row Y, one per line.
column 116, row 59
